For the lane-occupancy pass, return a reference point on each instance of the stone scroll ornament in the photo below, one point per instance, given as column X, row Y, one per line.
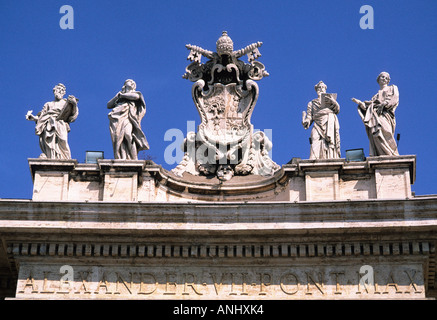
column 225, row 94
column 53, row 124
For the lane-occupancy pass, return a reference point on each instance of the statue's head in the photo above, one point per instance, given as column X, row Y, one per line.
column 59, row 91
column 320, row 87
column 225, row 45
column 384, row 76
column 129, row 85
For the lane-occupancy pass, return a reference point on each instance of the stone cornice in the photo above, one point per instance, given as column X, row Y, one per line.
column 417, row 214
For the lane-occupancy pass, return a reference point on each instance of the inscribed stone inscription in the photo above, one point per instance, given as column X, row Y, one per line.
column 301, row 282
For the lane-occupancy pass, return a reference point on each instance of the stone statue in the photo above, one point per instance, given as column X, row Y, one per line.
column 52, row 124
column 378, row 116
column 325, row 134
column 128, row 109
column 225, row 94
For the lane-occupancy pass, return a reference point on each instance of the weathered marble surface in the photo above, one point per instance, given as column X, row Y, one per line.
column 266, row 250
column 397, row 279
column 304, row 180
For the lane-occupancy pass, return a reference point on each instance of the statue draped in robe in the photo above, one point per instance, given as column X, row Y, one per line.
column 378, row 116
column 52, row 124
column 128, row 109
column 325, row 134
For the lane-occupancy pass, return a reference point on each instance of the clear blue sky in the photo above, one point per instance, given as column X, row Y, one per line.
column 303, row 42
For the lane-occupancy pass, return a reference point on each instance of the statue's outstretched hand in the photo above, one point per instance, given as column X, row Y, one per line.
column 30, row 116
column 356, row 101
column 72, row 99
column 360, row 103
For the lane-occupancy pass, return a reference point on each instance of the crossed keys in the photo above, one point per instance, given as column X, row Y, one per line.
column 251, row 50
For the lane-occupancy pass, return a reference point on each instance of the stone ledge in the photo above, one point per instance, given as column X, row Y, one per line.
column 300, row 166
column 207, row 218
column 51, row 165
column 121, row 165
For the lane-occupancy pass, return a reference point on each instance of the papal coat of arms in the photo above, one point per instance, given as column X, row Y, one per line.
column 225, row 94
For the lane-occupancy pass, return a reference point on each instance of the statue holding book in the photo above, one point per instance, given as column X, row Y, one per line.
column 325, row 134
column 53, row 124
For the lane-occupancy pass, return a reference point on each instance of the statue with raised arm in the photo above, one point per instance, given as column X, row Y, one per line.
column 325, row 134
column 378, row 115
column 128, row 109
column 52, row 124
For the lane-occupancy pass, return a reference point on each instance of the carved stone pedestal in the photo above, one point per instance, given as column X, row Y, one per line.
column 304, row 180
column 382, row 177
